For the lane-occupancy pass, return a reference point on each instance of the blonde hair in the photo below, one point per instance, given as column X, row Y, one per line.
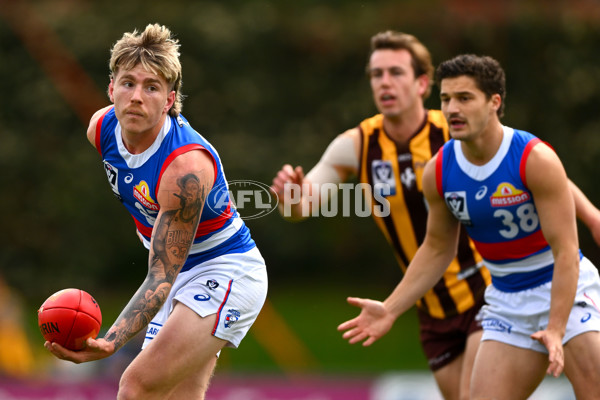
column 421, row 58
column 157, row 51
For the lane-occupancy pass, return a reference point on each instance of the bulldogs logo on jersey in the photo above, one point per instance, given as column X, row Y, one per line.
column 232, row 317
column 457, row 203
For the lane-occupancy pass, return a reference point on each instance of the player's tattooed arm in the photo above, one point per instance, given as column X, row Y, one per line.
column 173, row 236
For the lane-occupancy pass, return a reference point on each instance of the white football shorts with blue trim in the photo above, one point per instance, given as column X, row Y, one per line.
column 512, row 317
column 233, row 286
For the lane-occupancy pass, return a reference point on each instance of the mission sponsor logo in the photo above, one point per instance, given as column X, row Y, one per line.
column 507, row 195
column 141, row 192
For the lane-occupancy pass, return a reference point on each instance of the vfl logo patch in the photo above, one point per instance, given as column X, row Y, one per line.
column 507, row 195
column 202, row 297
column 457, row 203
column 112, row 173
column 231, row 318
column 493, row 324
column 383, row 175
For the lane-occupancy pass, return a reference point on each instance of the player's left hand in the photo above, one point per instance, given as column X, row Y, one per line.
column 95, row 349
column 556, row 356
column 373, row 322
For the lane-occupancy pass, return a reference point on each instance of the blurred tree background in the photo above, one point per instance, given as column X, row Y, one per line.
column 268, row 83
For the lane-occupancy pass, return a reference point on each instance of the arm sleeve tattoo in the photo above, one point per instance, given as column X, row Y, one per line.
column 173, row 236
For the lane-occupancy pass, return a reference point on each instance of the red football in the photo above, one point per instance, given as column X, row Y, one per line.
column 69, row 317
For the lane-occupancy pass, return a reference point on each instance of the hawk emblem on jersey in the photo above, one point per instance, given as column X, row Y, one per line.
column 457, row 203
column 383, row 176
column 408, row 177
column 141, row 192
column 507, row 195
column 112, row 173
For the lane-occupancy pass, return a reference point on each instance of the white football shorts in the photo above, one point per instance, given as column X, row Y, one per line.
column 512, row 317
column 233, row 286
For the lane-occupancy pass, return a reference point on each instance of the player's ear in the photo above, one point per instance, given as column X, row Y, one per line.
column 170, row 100
column 111, row 89
column 496, row 101
column 423, row 81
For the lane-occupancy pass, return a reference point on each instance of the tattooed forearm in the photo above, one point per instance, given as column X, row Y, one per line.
column 170, row 273
column 173, row 236
column 139, row 312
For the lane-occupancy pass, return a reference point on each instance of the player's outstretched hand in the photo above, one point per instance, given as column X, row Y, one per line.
column 95, row 349
column 556, row 356
column 287, row 174
column 373, row 322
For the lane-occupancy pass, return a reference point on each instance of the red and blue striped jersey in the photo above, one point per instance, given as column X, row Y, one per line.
column 496, row 207
column 135, row 181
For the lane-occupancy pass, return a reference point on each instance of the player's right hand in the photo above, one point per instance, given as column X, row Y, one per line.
column 372, row 323
column 95, row 349
column 556, row 356
column 287, row 174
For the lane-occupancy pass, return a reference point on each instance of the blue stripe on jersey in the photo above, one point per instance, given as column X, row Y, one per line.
column 523, row 280
column 239, row 242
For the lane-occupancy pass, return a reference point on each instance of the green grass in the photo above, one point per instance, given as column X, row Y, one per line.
column 314, row 314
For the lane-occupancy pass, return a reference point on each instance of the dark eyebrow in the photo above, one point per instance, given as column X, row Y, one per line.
column 456, row 93
column 147, row 80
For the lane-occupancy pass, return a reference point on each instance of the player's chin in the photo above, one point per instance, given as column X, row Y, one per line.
column 135, row 126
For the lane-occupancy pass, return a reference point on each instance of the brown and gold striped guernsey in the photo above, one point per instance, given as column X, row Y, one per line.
column 383, row 161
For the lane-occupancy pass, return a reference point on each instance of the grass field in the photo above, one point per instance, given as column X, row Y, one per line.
column 313, row 315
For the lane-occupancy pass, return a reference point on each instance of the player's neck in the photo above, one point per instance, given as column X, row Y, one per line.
column 402, row 127
column 136, row 142
column 482, row 148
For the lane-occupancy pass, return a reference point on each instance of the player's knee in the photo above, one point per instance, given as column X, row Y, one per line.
column 132, row 388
